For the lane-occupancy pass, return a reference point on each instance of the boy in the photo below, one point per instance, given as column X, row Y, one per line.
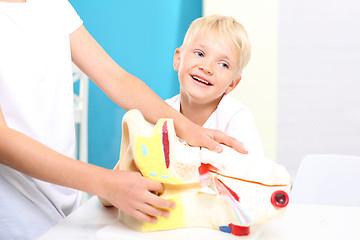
column 209, row 64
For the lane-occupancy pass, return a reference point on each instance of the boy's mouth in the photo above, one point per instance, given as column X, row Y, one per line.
column 198, row 79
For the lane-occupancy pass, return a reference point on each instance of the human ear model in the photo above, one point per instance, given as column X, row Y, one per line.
column 227, row 191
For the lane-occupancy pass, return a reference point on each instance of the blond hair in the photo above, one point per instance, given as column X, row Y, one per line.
column 227, row 27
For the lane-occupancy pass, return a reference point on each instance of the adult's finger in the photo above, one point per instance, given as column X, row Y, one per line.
column 153, row 211
column 159, row 202
column 221, row 137
column 154, row 186
column 143, row 216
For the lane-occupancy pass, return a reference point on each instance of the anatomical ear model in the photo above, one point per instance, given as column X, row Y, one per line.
column 228, row 191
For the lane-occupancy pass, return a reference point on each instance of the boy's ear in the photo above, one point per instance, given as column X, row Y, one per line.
column 232, row 85
column 177, row 60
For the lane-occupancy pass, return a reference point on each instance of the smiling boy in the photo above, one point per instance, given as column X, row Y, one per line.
column 209, row 63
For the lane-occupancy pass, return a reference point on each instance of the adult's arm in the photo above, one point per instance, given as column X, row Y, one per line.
column 128, row 191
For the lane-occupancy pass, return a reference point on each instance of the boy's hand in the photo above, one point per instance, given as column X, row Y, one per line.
column 134, row 194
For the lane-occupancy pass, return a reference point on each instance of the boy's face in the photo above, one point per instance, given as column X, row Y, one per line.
column 207, row 68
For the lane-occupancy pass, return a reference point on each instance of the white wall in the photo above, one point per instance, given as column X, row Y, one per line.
column 312, row 103
column 319, row 79
column 258, row 87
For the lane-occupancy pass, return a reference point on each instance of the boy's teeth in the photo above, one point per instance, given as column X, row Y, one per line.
column 201, row 80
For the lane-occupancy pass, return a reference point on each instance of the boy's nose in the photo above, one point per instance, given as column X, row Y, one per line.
column 206, row 68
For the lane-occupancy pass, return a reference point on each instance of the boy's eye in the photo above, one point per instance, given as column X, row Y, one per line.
column 198, row 53
column 225, row 65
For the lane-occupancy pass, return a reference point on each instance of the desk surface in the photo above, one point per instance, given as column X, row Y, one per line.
column 93, row 221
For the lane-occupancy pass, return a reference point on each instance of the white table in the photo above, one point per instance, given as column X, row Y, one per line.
column 93, row 221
